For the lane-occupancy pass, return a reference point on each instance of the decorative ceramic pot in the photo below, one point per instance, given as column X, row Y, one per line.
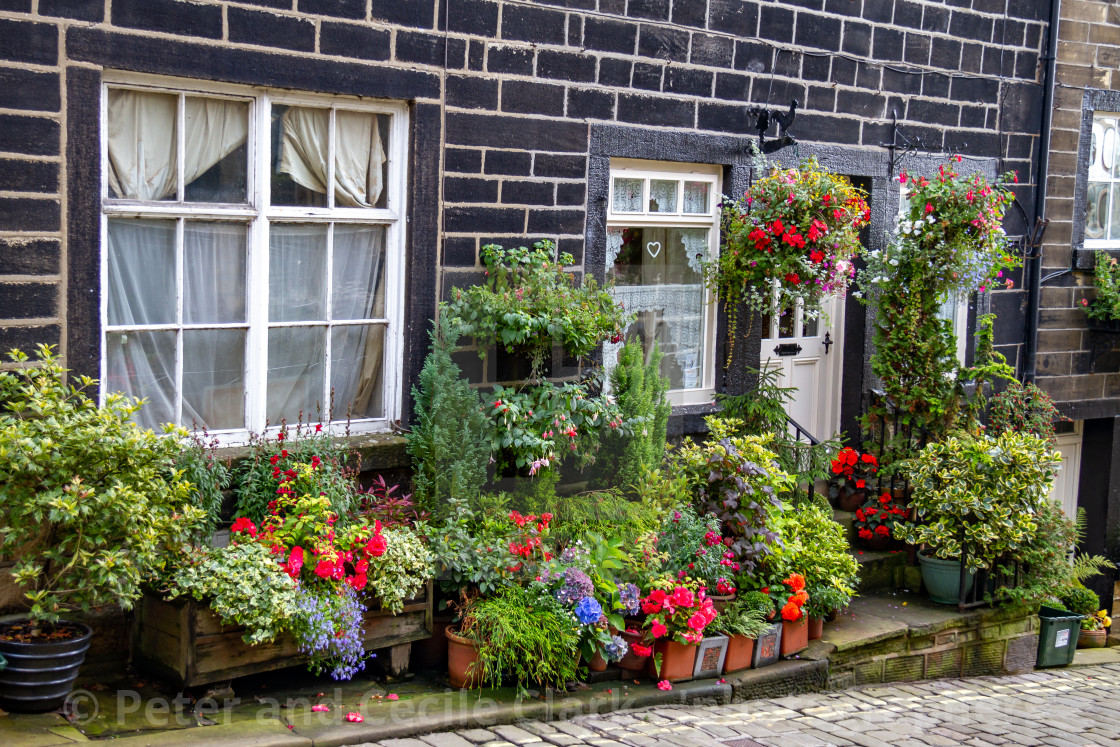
column 851, row 500
column 721, row 602
column 632, row 663
column 942, row 579
column 1092, row 638
column 597, row 663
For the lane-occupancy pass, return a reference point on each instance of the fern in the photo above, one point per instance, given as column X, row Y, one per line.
column 1087, row 566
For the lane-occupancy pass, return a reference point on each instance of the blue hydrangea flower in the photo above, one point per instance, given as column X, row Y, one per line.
column 630, row 597
column 577, row 585
column 616, row 649
column 588, row 610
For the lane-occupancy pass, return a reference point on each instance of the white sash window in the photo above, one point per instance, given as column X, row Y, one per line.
column 252, row 256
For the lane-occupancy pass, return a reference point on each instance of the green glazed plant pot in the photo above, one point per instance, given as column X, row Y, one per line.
column 942, row 579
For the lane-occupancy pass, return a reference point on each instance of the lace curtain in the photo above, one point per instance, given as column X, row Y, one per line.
column 142, row 283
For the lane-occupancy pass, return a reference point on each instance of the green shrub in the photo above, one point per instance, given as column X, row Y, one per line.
column 814, row 545
column 90, row 501
column 1081, row 601
column 449, row 442
column 639, row 389
column 208, row 476
column 605, row 512
column 985, row 490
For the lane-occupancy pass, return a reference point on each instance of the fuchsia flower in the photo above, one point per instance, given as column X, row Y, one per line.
column 664, row 685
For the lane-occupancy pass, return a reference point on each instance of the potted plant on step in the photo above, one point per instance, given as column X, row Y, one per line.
column 1094, row 630
column 90, row 503
column 975, row 494
column 875, row 521
column 852, row 475
column 677, row 612
column 795, row 618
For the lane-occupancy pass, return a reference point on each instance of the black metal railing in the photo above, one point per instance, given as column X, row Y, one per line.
column 800, row 434
column 892, row 437
column 1004, row 573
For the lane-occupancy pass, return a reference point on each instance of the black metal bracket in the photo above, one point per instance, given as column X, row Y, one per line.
column 828, row 342
column 787, row 348
column 902, row 146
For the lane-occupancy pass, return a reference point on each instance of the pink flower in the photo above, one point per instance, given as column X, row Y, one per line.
column 246, row 526
column 929, row 208
column 683, row 597
column 354, row 718
column 658, row 629
column 392, row 696
column 320, row 708
column 664, row 685
column 698, row 621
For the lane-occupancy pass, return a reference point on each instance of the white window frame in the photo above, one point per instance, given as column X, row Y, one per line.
column 1097, row 157
column 258, row 214
column 956, row 314
column 712, row 174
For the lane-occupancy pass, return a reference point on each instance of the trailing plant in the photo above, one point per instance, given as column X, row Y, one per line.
column 243, row 584
column 524, row 633
column 605, row 512
column 449, row 442
column 535, row 426
column 328, row 628
column 790, row 240
column 402, row 571
column 984, row 491
column 529, row 300
column 91, row 502
column 257, row 478
column 208, row 477
column 639, row 390
column 1106, row 278
column 740, row 617
column 737, row 479
column 762, row 410
column 1024, row 408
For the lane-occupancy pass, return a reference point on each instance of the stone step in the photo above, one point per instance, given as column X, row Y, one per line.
column 885, row 571
column 847, row 520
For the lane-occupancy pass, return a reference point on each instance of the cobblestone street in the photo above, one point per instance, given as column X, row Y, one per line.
column 1063, row 708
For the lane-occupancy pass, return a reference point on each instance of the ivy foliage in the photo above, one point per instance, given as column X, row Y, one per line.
column 89, row 501
column 449, row 442
column 981, row 490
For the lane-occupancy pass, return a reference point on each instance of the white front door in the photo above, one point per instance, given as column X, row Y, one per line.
column 1064, row 489
column 809, row 354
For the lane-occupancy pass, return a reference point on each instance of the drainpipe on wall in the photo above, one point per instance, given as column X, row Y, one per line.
column 1034, row 286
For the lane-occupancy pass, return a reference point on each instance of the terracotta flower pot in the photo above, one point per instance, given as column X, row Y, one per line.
column 877, row 543
column 851, row 500
column 632, row 663
column 597, row 663
column 677, row 661
column 795, row 635
column 462, row 661
column 1092, row 638
column 721, row 602
column 816, row 628
column 740, row 653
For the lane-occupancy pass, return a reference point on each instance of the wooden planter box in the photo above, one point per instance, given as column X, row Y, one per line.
column 184, row 641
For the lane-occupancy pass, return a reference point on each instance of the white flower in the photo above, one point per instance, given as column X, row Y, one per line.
column 894, row 263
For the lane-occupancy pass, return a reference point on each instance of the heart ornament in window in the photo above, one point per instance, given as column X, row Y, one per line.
column 650, row 249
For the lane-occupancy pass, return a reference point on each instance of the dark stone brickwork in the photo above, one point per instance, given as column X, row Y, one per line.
column 512, row 90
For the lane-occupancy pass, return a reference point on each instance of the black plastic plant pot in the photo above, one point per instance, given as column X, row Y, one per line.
column 40, row 676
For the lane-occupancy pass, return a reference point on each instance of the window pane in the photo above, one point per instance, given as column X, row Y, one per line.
column 142, row 145
column 696, row 197
column 360, row 167
column 141, row 272
column 1114, row 213
column 357, row 352
column 655, row 279
column 1096, row 210
column 296, row 357
column 628, row 195
column 213, row 272
column 297, row 272
column 359, row 270
column 142, row 364
column 662, row 196
column 214, row 378
column 300, row 143
column 215, row 151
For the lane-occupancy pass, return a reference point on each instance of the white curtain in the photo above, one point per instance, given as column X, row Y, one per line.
column 359, row 293
column 359, row 155
column 142, row 140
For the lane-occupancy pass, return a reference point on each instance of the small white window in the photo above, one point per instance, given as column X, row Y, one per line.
column 240, row 290
column 662, row 223
column 1102, row 199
